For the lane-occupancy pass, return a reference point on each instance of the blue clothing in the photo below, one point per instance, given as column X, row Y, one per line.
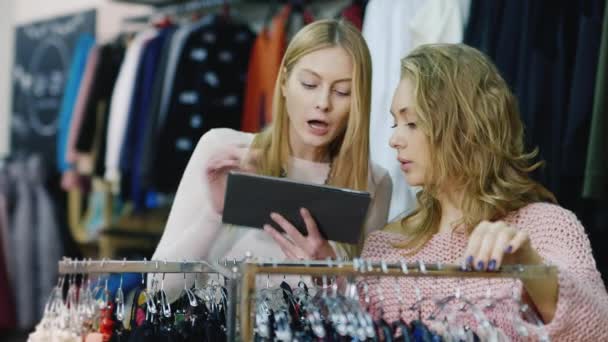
column 70, row 94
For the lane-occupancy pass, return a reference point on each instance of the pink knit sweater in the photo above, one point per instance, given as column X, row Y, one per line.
column 557, row 235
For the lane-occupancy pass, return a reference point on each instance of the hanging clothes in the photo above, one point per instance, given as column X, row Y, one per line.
column 577, row 120
column 7, row 307
column 439, row 21
column 23, row 239
column 206, row 93
column 388, row 42
column 132, row 147
column 164, row 75
column 69, row 177
column 111, row 55
column 48, row 241
column 122, row 97
column 79, row 59
column 596, row 171
column 264, row 62
column 354, row 13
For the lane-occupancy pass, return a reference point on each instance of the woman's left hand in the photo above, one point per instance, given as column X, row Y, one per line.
column 493, row 244
column 298, row 246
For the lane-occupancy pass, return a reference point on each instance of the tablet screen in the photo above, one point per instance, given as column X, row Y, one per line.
column 340, row 213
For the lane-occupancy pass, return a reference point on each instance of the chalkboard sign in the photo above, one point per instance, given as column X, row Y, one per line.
column 43, row 53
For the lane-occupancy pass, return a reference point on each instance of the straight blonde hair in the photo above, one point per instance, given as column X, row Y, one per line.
column 476, row 139
column 350, row 150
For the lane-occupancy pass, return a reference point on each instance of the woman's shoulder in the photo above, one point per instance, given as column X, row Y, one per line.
column 382, row 241
column 226, row 136
column 217, row 138
column 390, row 233
column 542, row 210
column 543, row 215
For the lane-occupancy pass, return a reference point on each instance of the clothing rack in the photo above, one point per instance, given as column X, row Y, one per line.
column 228, row 270
column 360, row 267
column 245, row 272
column 182, row 8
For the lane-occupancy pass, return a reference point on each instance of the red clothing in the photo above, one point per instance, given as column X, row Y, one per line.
column 264, row 64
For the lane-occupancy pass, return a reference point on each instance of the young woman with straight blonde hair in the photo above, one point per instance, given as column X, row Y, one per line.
column 458, row 135
column 319, row 134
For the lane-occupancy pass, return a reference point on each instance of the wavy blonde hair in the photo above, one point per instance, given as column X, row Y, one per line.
column 350, row 151
column 476, row 139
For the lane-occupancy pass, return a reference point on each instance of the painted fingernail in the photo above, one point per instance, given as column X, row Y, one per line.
column 469, row 260
column 509, row 249
column 480, row 266
column 491, row 265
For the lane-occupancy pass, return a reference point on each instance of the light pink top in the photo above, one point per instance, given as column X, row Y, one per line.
column 194, row 231
column 557, row 235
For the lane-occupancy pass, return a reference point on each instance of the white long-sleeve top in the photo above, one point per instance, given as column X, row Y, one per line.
column 121, row 103
column 194, row 231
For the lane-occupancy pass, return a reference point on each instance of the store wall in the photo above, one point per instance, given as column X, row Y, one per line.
column 110, row 16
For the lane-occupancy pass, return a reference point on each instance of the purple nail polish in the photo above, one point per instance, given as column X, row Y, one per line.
column 509, row 249
column 480, row 266
column 469, row 260
column 491, row 265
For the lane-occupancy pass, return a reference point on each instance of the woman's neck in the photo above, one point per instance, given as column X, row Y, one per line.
column 300, row 150
column 451, row 212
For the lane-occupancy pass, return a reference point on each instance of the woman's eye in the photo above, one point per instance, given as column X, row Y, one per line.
column 308, row 85
column 342, row 93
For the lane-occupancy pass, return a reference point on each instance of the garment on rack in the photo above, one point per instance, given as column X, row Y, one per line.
column 264, row 62
column 439, row 21
column 48, row 240
column 91, row 313
column 207, row 93
column 111, row 56
column 79, row 59
column 23, row 238
column 122, row 96
column 7, row 309
column 194, row 231
column 137, row 124
column 354, row 13
column 582, row 307
column 596, row 170
column 163, row 75
column 33, row 235
column 577, row 120
column 389, row 41
column 89, row 78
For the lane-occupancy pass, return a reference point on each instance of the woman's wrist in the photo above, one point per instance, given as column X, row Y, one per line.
column 541, row 293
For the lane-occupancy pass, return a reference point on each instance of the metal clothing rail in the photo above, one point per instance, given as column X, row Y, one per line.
column 72, row 266
column 359, row 267
column 182, row 8
column 228, row 270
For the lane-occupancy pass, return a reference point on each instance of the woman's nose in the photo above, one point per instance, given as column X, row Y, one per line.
column 396, row 141
column 323, row 100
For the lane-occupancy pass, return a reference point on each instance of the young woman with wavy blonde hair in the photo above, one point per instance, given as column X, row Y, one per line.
column 319, row 134
column 458, row 136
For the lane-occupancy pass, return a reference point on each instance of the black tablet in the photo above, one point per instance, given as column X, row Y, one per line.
column 339, row 213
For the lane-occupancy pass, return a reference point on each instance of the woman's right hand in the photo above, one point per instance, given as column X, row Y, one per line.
column 224, row 160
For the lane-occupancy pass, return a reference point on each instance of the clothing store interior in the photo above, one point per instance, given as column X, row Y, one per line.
column 126, row 125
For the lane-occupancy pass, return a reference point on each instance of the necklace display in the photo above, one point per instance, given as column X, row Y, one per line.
column 283, row 173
